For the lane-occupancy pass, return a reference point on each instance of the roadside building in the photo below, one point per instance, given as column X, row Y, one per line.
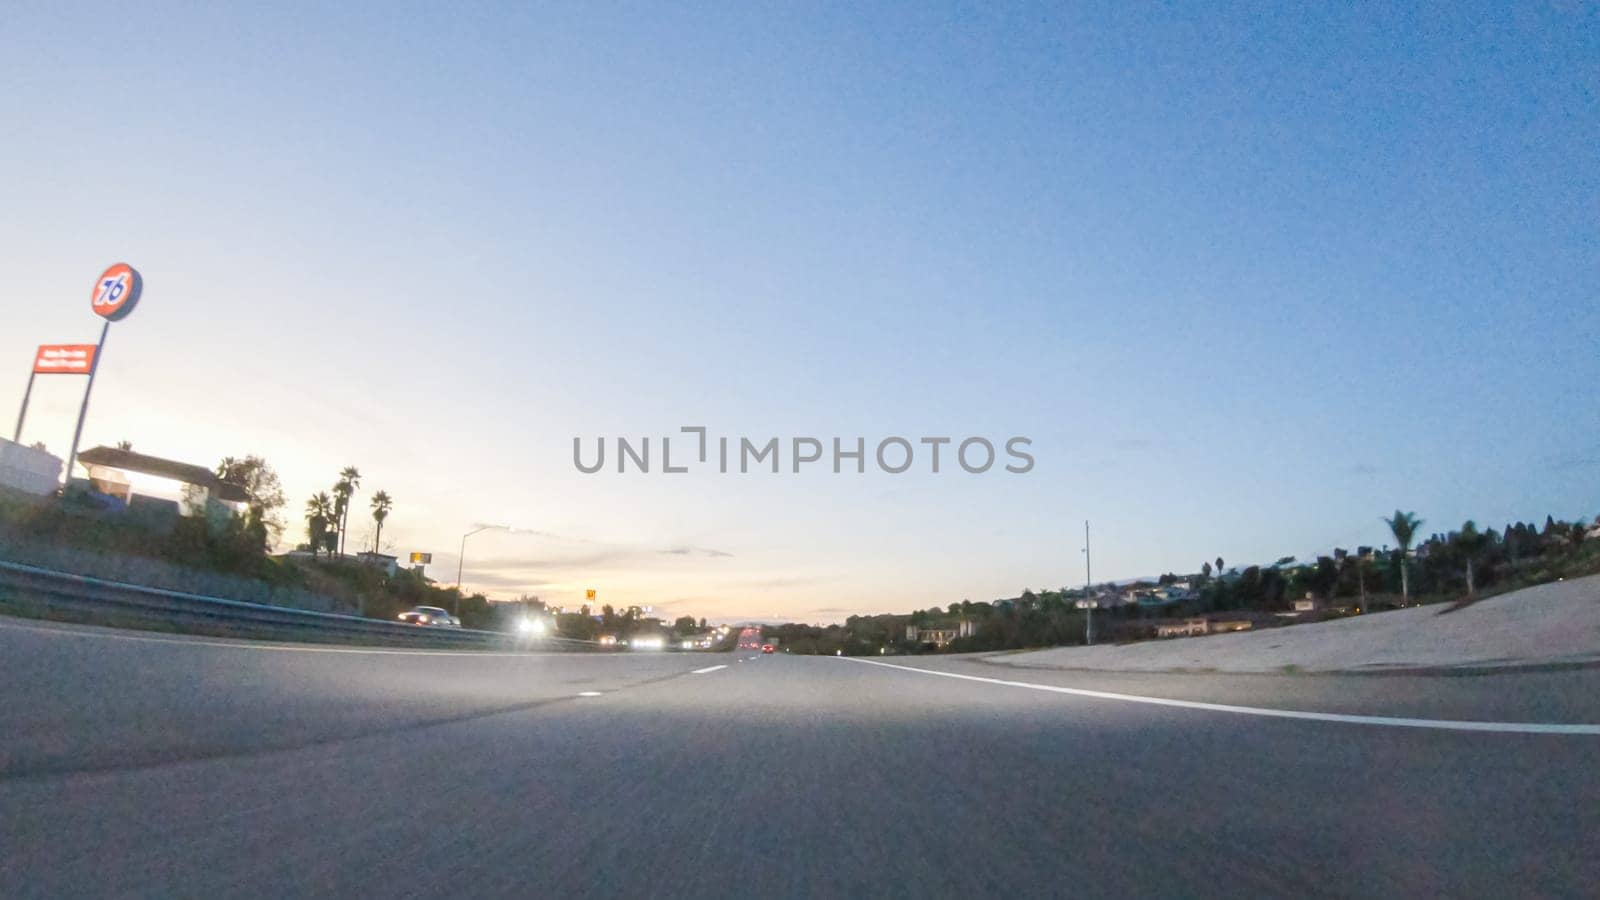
column 383, row 562
column 1171, row 593
column 29, row 469
column 159, row 487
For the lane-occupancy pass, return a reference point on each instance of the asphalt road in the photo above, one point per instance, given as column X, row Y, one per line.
column 138, row 765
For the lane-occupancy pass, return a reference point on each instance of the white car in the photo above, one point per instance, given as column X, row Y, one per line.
column 431, row 616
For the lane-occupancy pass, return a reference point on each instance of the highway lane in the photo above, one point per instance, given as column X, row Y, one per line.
column 814, row 776
column 85, row 698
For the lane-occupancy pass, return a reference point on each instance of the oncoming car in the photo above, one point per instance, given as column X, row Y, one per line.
column 768, row 648
column 431, row 616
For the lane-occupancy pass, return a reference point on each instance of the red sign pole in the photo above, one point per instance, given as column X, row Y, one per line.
column 16, row 437
column 53, row 359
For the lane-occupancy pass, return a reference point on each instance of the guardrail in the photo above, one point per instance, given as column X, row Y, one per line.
column 61, row 595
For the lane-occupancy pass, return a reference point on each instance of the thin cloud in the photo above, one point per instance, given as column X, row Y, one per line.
column 615, row 557
column 696, row 551
column 782, row 581
column 513, row 580
column 1580, row 459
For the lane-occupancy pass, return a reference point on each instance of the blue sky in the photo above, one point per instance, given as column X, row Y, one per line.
column 1249, row 280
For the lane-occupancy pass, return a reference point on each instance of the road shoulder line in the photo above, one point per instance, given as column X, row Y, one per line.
column 1267, row 712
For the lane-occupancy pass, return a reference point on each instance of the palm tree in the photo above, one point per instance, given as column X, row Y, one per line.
column 343, row 490
column 381, row 504
column 1220, row 569
column 1470, row 540
column 1404, row 525
column 319, row 512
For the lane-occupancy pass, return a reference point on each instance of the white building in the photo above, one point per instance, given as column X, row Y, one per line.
column 28, row 470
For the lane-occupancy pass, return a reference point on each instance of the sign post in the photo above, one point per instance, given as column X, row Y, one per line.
column 1088, row 606
column 115, row 294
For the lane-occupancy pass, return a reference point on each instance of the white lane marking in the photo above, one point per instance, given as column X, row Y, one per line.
column 708, row 670
column 1390, row 721
column 588, row 693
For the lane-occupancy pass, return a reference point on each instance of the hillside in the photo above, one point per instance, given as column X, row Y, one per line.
column 1550, row 623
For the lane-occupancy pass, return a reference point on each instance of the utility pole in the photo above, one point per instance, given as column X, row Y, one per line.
column 1088, row 589
column 1088, row 575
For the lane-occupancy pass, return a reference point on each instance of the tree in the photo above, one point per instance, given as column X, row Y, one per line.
column 319, row 515
column 125, row 445
column 683, row 625
column 1470, row 542
column 381, row 504
column 261, row 484
column 343, row 490
column 1205, row 570
column 1324, row 578
column 1220, row 568
column 1361, row 563
column 1576, row 532
column 1404, row 525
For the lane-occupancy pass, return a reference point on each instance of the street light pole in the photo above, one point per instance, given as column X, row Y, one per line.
column 461, row 561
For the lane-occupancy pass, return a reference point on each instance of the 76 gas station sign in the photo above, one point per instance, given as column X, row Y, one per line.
column 116, row 292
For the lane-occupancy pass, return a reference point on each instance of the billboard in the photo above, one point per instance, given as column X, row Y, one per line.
column 421, row 559
column 64, row 359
